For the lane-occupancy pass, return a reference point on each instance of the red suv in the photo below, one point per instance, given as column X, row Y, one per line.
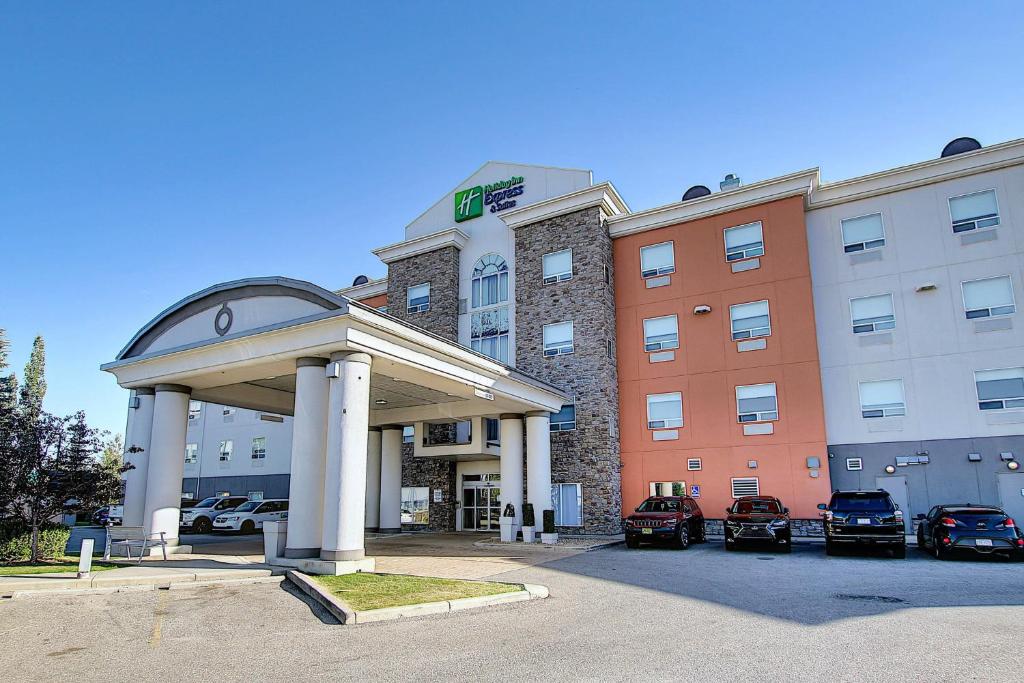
column 666, row 519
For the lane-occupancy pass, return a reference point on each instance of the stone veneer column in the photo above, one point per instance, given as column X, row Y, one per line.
column 139, row 436
column 309, row 456
column 511, row 463
column 391, row 479
column 538, row 463
column 441, row 269
column 166, row 461
column 373, row 456
column 348, row 415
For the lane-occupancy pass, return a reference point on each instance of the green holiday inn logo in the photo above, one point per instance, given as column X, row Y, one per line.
column 469, row 204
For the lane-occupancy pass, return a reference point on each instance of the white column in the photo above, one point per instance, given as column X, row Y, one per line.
column 166, row 461
column 348, row 416
column 137, row 436
column 538, row 463
column 373, row 447
column 309, row 455
column 391, row 479
column 511, row 463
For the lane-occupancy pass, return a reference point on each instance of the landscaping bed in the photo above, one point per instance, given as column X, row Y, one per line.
column 365, row 591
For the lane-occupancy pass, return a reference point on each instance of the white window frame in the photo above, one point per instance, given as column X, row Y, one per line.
column 564, row 425
column 561, row 276
column 414, row 495
column 989, row 313
column 193, row 450
column 227, row 448
column 652, row 347
column 886, row 412
column 559, row 348
column 747, row 253
column 854, row 464
column 501, row 277
column 1017, row 400
column 420, row 307
column 258, row 453
column 876, row 326
column 869, row 245
column 501, row 339
column 744, row 481
column 558, row 508
column 761, row 331
column 661, row 270
column 670, row 423
column 973, row 222
column 408, row 434
column 761, row 415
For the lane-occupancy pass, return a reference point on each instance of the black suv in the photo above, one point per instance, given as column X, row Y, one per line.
column 971, row 529
column 673, row 519
column 862, row 518
column 758, row 519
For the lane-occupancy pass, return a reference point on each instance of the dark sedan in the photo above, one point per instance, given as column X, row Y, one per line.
column 758, row 520
column 969, row 529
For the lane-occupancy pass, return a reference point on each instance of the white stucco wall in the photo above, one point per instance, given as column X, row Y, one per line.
column 934, row 348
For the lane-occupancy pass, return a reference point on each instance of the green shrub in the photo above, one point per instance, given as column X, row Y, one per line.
column 528, row 518
column 549, row 521
column 16, row 543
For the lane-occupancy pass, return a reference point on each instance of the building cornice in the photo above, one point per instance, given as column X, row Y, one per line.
column 449, row 237
column 992, row 158
column 603, row 195
column 797, row 184
column 365, row 290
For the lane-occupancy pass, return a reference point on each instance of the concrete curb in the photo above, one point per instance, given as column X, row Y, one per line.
column 540, row 547
column 344, row 613
column 140, row 588
column 102, row 582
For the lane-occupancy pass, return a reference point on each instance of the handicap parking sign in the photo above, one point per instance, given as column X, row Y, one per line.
column 695, row 491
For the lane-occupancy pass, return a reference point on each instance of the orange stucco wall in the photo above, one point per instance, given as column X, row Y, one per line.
column 708, row 367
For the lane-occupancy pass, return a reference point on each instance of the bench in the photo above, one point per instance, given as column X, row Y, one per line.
column 127, row 536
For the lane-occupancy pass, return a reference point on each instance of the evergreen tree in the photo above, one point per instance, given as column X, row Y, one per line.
column 34, row 381
column 8, row 429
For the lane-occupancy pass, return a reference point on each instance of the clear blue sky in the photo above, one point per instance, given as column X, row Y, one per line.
column 148, row 150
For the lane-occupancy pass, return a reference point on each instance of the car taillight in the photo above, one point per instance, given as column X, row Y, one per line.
column 899, row 515
column 1009, row 524
column 946, row 540
column 948, row 521
column 1020, row 542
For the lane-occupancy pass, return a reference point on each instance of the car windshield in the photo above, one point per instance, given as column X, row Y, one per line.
column 652, row 505
column 248, row 506
column 750, row 507
column 975, row 515
column 863, row 503
column 206, row 503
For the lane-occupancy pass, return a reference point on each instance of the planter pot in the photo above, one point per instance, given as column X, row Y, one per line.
column 528, row 534
column 508, row 529
column 548, row 539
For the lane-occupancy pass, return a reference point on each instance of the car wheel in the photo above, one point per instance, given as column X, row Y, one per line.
column 900, row 553
column 920, row 537
column 632, row 543
column 248, row 527
column 683, row 537
column 830, row 549
column 730, row 546
column 202, row 526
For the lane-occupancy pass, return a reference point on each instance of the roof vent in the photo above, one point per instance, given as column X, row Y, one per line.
column 360, row 280
column 731, row 182
column 696, row 191
column 959, row 146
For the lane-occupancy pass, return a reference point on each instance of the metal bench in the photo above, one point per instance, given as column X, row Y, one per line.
column 127, row 536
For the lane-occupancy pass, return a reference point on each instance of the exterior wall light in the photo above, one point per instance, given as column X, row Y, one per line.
column 752, row 464
column 701, row 310
column 890, row 469
column 1013, row 465
column 974, row 457
column 1006, row 456
column 926, row 287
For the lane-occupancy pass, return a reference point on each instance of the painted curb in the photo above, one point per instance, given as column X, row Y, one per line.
column 338, row 609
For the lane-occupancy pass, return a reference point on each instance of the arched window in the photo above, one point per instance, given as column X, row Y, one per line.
column 490, row 281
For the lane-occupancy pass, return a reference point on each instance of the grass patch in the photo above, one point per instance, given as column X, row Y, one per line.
column 68, row 564
column 374, row 591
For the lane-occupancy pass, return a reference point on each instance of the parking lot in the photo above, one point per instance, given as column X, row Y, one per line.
column 613, row 614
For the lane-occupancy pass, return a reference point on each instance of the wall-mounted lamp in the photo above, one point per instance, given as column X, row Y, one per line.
column 890, row 469
column 752, row 464
column 1006, row 456
column 926, row 287
column 701, row 310
column 1013, row 465
column 813, row 462
column 974, row 457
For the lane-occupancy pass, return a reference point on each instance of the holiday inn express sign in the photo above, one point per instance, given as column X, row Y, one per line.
column 470, row 203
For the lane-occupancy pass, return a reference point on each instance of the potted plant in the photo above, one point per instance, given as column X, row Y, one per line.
column 508, row 524
column 548, row 536
column 528, row 523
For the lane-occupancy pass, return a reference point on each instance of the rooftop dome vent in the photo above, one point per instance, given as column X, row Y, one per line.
column 696, row 191
column 959, row 146
column 731, row 182
column 360, row 280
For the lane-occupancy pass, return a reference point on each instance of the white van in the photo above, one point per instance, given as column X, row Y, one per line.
column 249, row 516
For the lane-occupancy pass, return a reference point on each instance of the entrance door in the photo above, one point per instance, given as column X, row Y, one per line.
column 481, row 506
column 897, row 488
column 1011, row 495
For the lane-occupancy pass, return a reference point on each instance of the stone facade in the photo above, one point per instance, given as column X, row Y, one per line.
column 588, row 455
column 441, row 269
column 437, row 474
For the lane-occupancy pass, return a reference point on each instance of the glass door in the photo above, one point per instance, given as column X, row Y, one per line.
column 481, row 506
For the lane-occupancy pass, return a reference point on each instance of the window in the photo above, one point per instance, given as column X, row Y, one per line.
column 863, row 233
column 974, row 211
column 415, row 504
column 255, row 495
column 854, row 464
column 872, row 313
column 1000, row 389
column 883, row 398
column 419, row 298
column 383, row 309
column 661, row 333
column 259, row 448
column 744, row 241
column 455, row 433
column 493, row 431
column 490, row 281
column 567, row 502
column 225, row 450
column 565, row 419
column 750, row 320
column 489, row 333
column 228, row 411
column 558, row 338
column 745, row 486
column 408, row 434
column 558, row 266
column 657, row 259
column 664, row 410
column 195, row 409
column 271, row 418
column 664, row 488
column 693, row 464
column 191, row 453
column 989, row 297
column 757, row 403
